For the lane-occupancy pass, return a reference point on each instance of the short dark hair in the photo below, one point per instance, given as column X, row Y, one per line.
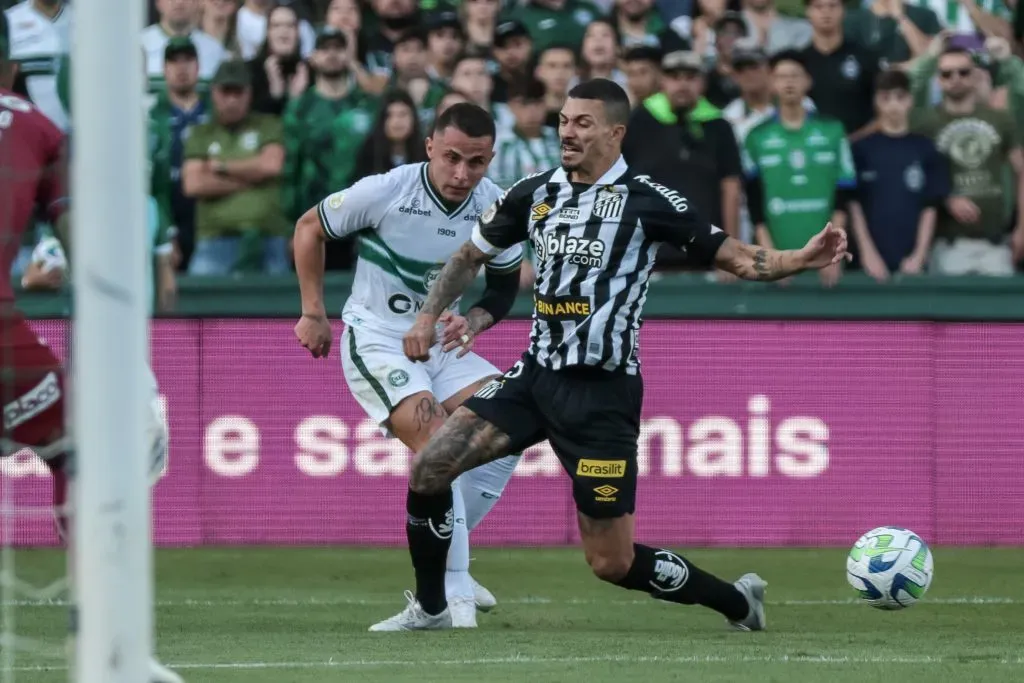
column 411, row 35
column 610, row 23
column 957, row 50
column 787, row 56
column 558, row 46
column 610, row 94
column 467, row 56
column 892, row 79
column 472, row 120
column 528, row 89
column 643, row 53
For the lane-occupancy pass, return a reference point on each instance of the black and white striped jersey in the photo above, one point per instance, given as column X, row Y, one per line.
column 595, row 247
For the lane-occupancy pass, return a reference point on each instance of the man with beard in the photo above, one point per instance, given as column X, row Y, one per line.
column 978, row 141
column 394, row 17
column 327, row 123
column 638, row 22
column 39, row 33
column 323, row 129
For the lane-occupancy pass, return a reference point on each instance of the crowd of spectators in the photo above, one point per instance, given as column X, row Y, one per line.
column 899, row 121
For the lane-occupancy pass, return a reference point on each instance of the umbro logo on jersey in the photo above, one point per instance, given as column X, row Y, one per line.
column 539, row 211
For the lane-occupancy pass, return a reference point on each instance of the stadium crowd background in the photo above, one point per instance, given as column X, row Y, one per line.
column 258, row 109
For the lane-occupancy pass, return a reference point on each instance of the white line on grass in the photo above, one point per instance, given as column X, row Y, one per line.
column 527, row 660
column 341, row 601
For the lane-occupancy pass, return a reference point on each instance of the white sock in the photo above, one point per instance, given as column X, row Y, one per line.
column 482, row 487
column 456, row 578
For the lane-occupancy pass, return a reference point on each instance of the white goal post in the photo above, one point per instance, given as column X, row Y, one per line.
column 111, row 564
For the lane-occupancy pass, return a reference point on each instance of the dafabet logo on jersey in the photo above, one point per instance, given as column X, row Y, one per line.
column 601, row 469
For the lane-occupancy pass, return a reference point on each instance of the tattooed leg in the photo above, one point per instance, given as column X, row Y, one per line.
column 416, row 418
column 463, row 442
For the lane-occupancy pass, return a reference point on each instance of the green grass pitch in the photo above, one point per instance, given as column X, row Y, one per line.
column 299, row 615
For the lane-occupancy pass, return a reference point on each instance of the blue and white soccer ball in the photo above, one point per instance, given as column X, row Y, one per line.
column 50, row 254
column 890, row 567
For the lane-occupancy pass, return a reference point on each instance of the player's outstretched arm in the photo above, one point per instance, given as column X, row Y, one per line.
column 455, row 277
column 752, row 262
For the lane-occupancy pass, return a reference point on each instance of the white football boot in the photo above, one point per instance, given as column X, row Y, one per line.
column 158, row 673
column 413, row 618
column 463, row 611
column 752, row 586
column 485, row 600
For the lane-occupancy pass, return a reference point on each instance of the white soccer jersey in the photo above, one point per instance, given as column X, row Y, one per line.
column 209, row 53
column 406, row 234
column 37, row 43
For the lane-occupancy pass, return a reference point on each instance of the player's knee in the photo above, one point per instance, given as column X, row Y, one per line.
column 610, row 567
column 425, row 478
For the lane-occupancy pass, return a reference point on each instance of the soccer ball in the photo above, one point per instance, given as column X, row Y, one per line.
column 890, row 567
column 49, row 254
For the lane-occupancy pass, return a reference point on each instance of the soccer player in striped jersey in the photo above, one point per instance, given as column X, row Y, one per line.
column 409, row 221
column 596, row 226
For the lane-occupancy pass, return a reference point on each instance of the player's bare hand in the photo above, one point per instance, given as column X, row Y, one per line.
column 314, row 333
column 36, row 278
column 828, row 247
column 417, row 341
column 458, row 334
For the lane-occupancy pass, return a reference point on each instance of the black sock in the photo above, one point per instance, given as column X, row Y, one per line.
column 667, row 576
column 428, row 527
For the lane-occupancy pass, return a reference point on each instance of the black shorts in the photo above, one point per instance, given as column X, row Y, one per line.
column 590, row 416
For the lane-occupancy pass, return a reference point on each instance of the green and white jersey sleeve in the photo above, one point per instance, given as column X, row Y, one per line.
column 405, row 233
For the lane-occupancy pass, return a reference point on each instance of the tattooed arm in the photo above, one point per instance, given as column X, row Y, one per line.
column 752, row 262
column 456, row 275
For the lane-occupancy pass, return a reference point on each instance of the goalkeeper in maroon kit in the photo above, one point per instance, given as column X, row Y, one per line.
column 33, row 180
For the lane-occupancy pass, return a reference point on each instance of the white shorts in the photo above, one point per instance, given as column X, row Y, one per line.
column 380, row 376
column 966, row 256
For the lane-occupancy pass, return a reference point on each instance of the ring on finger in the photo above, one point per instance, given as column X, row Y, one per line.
column 464, row 338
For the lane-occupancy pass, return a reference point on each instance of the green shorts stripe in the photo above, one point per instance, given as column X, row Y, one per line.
column 378, row 388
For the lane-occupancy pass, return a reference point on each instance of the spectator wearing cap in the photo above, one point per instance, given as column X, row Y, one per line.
column 480, row 18
column 638, row 23
column 679, row 136
column 772, row 31
column 529, row 146
column 754, row 105
column 252, row 24
column 902, row 181
column 842, row 72
column 179, row 108
column 553, row 22
column 556, row 69
column 642, row 66
column 445, row 40
column 394, row 18
column 178, row 20
column 325, row 127
column 979, row 143
column 599, row 56
column 896, row 31
column 409, row 74
column 232, row 168
column 279, row 73
column 798, row 167
column 721, row 85
column 512, row 48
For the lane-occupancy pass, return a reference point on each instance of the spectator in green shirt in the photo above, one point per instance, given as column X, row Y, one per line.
column 232, row 168
column 895, row 31
column 638, row 22
column 325, row 127
column 409, row 73
column 556, row 21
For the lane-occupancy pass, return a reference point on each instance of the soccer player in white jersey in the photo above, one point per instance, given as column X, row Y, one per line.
column 409, row 221
column 40, row 32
